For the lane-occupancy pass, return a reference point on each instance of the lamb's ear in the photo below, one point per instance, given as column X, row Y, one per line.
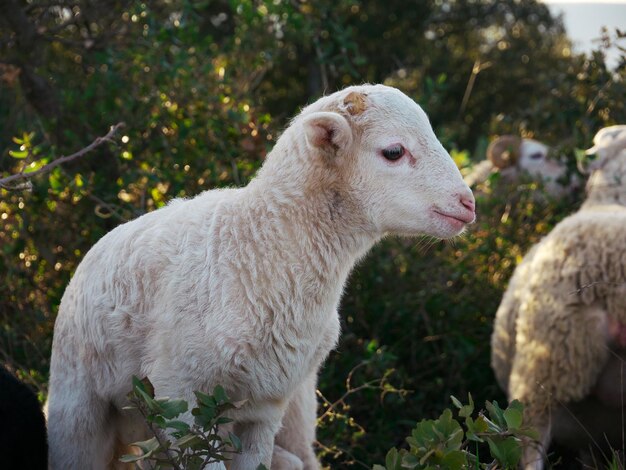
column 327, row 131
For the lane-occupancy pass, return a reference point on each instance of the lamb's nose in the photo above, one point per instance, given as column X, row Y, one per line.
column 468, row 202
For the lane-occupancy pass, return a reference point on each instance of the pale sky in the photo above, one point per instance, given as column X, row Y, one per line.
column 591, row 2
column 584, row 20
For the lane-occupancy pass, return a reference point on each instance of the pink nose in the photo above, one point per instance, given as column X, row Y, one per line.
column 468, row 203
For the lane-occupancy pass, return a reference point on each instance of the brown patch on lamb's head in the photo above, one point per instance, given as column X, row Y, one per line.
column 355, row 103
column 504, row 152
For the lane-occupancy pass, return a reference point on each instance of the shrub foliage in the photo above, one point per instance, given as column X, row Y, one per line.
column 205, row 87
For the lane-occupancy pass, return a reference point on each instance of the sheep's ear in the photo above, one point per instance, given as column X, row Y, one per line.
column 607, row 142
column 328, row 132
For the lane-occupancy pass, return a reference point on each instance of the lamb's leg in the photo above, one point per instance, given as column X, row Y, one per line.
column 297, row 433
column 129, row 427
column 285, row 460
column 257, row 443
column 78, row 432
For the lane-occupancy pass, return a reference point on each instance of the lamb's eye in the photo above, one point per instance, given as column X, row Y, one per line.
column 536, row 156
column 394, row 152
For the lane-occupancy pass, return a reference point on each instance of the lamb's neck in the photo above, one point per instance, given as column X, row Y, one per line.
column 321, row 230
column 326, row 226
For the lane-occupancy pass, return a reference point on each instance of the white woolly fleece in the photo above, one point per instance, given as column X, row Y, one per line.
column 240, row 287
column 551, row 332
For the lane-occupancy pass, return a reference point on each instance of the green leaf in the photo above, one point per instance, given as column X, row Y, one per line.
column 454, row 460
column 517, row 405
column 129, row 458
column 220, row 395
column 18, row 153
column 27, row 137
column 234, row 440
column 466, row 410
column 180, row 426
column 223, row 420
column 188, row 440
column 144, row 385
column 204, row 399
column 172, row 408
column 513, row 418
column 494, row 449
column 496, row 414
column 54, row 178
column 528, row 432
column 456, row 402
column 410, row 461
column 507, row 451
column 474, row 427
column 158, row 420
column 148, row 447
column 36, row 165
column 393, row 460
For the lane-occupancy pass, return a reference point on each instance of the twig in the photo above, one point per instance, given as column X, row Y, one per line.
column 114, row 211
column 337, row 451
column 594, row 283
column 575, row 418
column 476, row 69
column 46, row 168
column 375, row 384
column 161, row 439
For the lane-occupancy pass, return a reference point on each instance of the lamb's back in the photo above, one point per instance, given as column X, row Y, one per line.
column 122, row 277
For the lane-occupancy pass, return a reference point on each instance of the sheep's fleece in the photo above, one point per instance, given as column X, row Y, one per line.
column 553, row 327
column 239, row 287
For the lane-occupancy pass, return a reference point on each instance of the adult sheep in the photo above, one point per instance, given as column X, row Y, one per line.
column 560, row 332
column 240, row 287
column 514, row 157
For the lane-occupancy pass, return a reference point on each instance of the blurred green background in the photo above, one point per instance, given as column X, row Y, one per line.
column 205, row 88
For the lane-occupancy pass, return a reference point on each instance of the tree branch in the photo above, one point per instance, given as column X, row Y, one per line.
column 4, row 182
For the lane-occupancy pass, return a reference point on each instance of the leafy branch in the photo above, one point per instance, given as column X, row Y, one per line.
column 446, row 443
column 177, row 444
column 337, row 414
column 19, row 181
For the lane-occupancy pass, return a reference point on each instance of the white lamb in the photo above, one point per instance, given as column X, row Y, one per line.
column 240, row 287
column 559, row 337
column 513, row 157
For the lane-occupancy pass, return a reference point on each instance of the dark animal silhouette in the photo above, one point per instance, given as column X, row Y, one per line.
column 23, row 442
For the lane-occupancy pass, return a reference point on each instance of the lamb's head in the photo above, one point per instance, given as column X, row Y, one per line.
column 381, row 148
column 608, row 170
column 513, row 155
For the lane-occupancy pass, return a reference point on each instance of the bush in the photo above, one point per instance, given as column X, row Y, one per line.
column 205, row 88
column 177, row 444
column 447, row 443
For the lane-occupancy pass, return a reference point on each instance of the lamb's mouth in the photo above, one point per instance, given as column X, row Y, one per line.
column 456, row 219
